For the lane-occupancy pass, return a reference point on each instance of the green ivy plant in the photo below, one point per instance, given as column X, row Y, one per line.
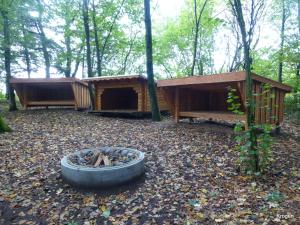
column 260, row 156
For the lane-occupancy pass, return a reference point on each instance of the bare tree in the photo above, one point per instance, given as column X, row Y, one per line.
column 197, row 29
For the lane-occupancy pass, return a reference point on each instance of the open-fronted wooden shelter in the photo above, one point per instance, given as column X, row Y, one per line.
column 124, row 94
column 205, row 97
column 34, row 92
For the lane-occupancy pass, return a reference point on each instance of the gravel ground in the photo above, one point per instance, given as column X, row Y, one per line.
column 190, row 174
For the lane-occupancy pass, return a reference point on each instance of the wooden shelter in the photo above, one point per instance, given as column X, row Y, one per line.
column 124, row 94
column 34, row 92
column 205, row 97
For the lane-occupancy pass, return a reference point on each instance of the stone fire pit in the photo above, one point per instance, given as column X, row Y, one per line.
column 102, row 167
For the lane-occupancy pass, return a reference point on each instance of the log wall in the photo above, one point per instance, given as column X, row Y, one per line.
column 81, row 95
column 140, row 87
column 269, row 105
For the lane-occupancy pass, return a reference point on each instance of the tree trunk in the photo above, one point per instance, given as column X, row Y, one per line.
column 26, row 52
column 69, row 55
column 283, row 19
column 97, row 45
column 237, row 8
column 7, row 62
column 195, row 39
column 299, row 16
column 197, row 27
column 298, row 65
column 150, row 75
column 78, row 59
column 110, row 30
column 43, row 41
column 85, row 13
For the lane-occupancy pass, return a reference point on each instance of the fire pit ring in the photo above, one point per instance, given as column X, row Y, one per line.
column 106, row 175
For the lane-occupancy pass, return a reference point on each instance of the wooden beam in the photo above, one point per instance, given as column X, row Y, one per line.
column 52, row 103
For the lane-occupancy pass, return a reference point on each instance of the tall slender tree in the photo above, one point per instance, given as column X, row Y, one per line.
column 298, row 65
column 43, row 38
column 197, row 29
column 149, row 58
column 26, row 50
column 4, row 11
column 282, row 37
column 96, row 37
column 85, row 14
column 247, row 36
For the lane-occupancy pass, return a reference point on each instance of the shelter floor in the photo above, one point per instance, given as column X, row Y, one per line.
column 213, row 115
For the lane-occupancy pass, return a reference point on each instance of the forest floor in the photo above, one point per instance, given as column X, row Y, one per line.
column 190, row 174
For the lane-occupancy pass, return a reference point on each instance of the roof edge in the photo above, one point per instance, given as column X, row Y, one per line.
column 114, row 77
column 14, row 80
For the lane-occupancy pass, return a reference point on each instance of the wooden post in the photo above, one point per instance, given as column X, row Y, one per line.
column 177, row 105
column 98, row 99
column 25, row 96
column 138, row 90
column 75, row 93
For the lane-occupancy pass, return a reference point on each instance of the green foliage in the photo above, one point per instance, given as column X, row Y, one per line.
column 233, row 101
column 2, row 96
column 253, row 144
column 292, row 107
column 3, row 126
column 173, row 41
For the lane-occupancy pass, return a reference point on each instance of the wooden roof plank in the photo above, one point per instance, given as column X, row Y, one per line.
column 220, row 78
column 203, row 79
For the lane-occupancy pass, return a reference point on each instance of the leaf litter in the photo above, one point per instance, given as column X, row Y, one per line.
column 190, row 177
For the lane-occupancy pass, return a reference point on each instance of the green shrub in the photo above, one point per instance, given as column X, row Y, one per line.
column 253, row 144
column 2, row 96
column 3, row 126
column 292, row 107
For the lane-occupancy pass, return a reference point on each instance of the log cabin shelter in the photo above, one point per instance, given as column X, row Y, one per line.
column 54, row 92
column 205, row 97
column 124, row 94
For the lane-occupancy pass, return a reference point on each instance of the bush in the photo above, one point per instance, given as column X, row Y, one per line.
column 292, row 107
column 3, row 126
column 2, row 96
